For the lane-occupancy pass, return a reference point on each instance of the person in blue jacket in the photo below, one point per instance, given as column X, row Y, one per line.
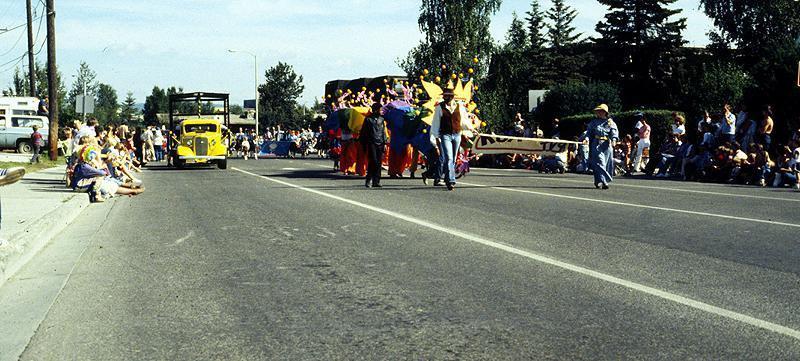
column 603, row 135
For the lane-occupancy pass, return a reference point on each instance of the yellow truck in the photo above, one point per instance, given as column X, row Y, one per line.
column 198, row 137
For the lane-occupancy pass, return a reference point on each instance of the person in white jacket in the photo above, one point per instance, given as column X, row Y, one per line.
column 450, row 119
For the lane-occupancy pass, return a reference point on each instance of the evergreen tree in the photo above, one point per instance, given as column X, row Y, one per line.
column 536, row 24
column 85, row 83
column 638, row 39
column 107, row 104
column 539, row 68
column 507, row 74
column 561, row 34
column 128, row 109
column 566, row 59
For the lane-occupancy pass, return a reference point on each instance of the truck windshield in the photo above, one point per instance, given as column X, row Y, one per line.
column 200, row 128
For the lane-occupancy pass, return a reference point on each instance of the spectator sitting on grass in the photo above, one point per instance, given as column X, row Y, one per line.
column 742, row 165
column 787, row 169
column 665, row 157
column 762, row 164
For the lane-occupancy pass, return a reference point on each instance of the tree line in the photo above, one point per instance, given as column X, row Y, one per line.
column 638, row 59
column 108, row 108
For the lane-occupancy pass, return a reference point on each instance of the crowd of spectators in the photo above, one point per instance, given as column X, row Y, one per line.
column 729, row 147
column 103, row 161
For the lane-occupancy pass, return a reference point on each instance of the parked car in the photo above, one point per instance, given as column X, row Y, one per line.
column 15, row 131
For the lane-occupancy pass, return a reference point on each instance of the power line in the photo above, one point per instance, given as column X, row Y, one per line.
column 18, row 60
column 18, row 26
column 21, row 33
column 19, row 38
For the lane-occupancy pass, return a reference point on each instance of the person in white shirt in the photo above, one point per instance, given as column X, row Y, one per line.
column 643, row 132
column 158, row 144
column 706, row 120
column 679, row 128
column 147, row 142
column 728, row 130
column 449, row 120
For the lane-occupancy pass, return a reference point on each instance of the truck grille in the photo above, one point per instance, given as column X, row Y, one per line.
column 201, row 146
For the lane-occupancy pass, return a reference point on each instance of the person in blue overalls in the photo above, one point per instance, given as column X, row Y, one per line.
column 603, row 135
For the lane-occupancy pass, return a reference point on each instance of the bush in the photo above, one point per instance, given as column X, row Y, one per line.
column 660, row 121
column 576, row 98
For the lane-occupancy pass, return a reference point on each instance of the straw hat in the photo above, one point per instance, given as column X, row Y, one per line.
column 602, row 107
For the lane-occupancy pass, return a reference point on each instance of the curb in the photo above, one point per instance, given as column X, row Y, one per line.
column 24, row 245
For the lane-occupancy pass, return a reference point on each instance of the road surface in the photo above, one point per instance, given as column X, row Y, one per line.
column 282, row 259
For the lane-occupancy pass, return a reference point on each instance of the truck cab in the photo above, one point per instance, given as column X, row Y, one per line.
column 201, row 141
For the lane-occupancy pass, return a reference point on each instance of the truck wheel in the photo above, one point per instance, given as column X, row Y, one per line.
column 24, row 147
column 180, row 163
column 223, row 164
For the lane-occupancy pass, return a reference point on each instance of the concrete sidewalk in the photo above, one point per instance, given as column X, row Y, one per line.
column 34, row 210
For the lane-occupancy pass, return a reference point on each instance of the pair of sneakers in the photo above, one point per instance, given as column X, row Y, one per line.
column 11, row 175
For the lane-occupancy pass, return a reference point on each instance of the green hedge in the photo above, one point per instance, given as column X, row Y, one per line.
column 660, row 121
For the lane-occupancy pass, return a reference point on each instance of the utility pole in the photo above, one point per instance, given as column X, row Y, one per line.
column 52, row 79
column 31, row 65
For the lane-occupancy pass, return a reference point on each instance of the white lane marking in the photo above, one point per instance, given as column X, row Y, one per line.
column 634, row 205
column 481, row 172
column 184, row 239
column 705, row 307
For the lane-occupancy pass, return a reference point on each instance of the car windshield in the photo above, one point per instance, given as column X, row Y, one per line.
column 200, row 128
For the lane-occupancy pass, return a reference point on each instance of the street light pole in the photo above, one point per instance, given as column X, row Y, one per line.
column 255, row 79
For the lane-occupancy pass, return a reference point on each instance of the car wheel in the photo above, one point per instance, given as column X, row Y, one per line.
column 24, row 147
column 223, row 164
column 180, row 163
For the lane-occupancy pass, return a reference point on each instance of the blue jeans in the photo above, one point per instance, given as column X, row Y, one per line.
column 451, row 144
column 762, row 173
column 667, row 162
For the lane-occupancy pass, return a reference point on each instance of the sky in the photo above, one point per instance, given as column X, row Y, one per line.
column 134, row 45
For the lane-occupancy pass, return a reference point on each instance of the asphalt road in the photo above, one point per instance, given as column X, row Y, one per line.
column 280, row 259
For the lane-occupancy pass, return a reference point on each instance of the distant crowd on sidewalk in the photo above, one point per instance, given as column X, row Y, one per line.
column 303, row 142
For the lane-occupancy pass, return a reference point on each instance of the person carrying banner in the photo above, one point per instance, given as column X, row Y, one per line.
column 449, row 119
column 603, row 134
column 373, row 139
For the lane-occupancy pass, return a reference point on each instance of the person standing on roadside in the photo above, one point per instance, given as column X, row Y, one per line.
column 373, row 139
column 38, row 143
column 643, row 133
column 728, row 131
column 766, row 127
column 603, row 135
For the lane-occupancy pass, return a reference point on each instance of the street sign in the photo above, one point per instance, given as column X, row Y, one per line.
column 84, row 104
